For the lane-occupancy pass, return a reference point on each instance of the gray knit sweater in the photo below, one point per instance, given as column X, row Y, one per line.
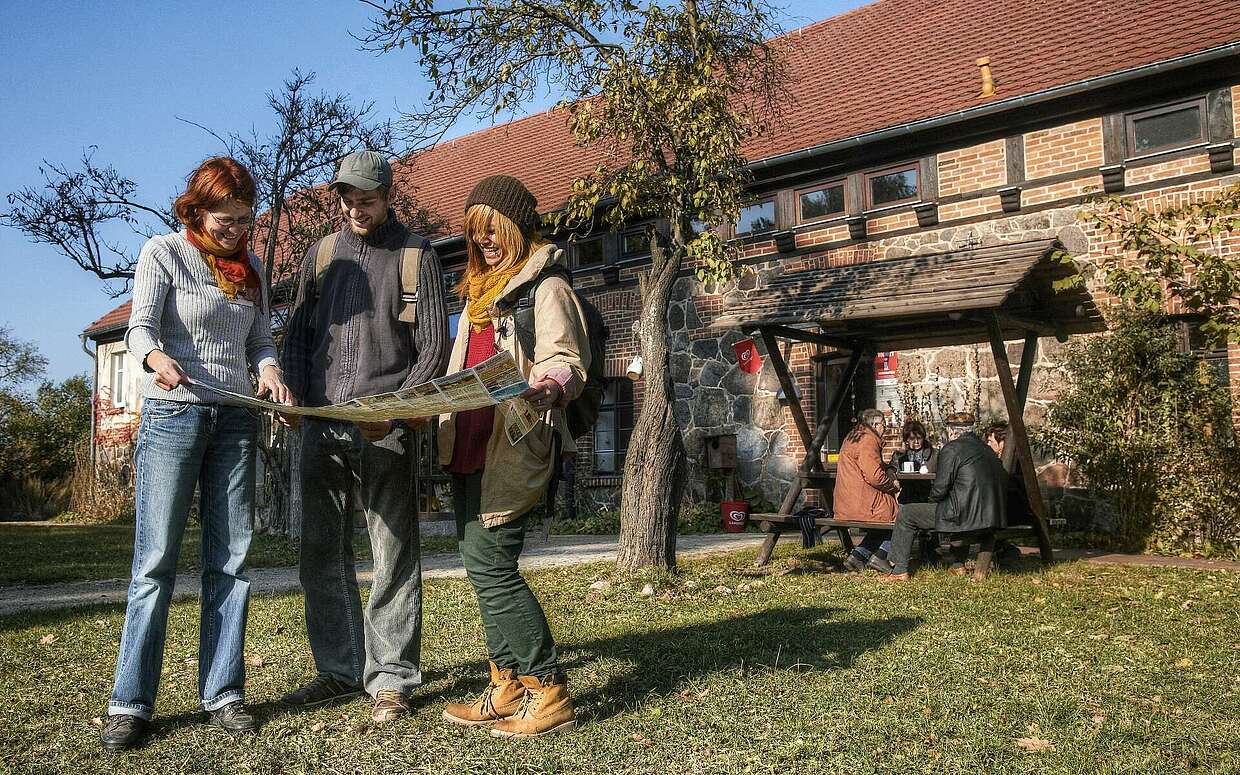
column 177, row 308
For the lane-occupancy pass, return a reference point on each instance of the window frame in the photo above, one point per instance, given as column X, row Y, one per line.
column 774, row 201
column 623, row 256
column 868, row 191
column 116, row 375
column 842, row 183
column 1133, row 116
column 601, row 240
column 622, row 435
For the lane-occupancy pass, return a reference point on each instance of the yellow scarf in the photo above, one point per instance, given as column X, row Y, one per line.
column 484, row 289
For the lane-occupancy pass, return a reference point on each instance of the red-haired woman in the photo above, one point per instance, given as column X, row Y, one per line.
column 200, row 317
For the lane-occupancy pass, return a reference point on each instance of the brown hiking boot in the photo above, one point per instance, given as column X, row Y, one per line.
column 546, row 709
column 500, row 699
column 390, row 705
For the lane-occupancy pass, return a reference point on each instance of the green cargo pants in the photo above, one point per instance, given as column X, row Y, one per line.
column 516, row 627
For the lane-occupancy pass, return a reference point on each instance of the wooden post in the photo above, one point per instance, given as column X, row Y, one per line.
column 788, row 384
column 1023, row 377
column 1017, row 435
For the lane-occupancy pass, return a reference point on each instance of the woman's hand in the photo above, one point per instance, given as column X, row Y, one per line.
column 168, row 373
column 543, row 395
column 271, row 383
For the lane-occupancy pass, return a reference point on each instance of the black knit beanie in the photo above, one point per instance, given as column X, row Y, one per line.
column 508, row 196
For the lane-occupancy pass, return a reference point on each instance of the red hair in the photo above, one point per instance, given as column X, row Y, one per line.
column 217, row 180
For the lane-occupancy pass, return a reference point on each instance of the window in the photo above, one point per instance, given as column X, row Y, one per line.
column 589, row 253
column 1193, row 341
column 614, row 427
column 821, row 202
column 634, row 244
column 756, row 218
column 893, row 186
column 1166, row 128
column 120, row 389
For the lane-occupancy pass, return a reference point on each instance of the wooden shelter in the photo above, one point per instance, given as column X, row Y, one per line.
column 1016, row 291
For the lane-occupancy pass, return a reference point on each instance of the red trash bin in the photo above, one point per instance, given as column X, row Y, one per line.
column 735, row 515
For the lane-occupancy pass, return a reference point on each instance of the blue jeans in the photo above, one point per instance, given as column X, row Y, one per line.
column 378, row 649
column 181, row 445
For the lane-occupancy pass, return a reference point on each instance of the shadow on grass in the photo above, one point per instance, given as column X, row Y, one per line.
column 666, row 661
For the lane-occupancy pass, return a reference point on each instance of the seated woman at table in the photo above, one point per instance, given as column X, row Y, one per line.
column 865, row 490
column 915, row 456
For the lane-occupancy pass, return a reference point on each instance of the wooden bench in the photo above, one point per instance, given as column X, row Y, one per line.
column 775, row 525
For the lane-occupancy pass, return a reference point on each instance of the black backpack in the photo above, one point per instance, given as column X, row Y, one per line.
column 582, row 412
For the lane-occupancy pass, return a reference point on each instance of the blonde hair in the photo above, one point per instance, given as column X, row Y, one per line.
column 513, row 244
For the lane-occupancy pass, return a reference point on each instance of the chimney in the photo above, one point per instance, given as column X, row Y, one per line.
column 988, row 81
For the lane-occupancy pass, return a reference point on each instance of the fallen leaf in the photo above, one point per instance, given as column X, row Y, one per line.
column 48, row 639
column 97, row 721
column 1186, row 662
column 1099, row 718
column 318, row 726
column 647, row 591
column 1035, row 744
column 255, row 661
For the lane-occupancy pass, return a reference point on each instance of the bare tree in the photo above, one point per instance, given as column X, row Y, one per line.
column 670, row 90
column 76, row 209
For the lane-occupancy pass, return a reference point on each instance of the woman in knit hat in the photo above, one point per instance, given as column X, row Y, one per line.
column 495, row 483
column 200, row 318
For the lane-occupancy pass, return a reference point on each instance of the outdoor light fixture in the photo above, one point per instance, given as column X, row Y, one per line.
column 635, row 368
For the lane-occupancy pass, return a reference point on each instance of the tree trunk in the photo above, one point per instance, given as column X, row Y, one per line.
column 654, row 468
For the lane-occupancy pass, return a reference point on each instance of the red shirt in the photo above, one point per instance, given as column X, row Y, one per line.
column 473, row 427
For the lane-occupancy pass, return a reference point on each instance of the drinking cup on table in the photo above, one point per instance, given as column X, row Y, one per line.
column 924, row 469
column 908, row 467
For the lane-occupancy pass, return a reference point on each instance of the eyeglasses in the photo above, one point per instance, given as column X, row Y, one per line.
column 225, row 222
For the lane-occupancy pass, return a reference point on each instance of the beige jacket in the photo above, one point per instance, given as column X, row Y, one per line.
column 515, row 477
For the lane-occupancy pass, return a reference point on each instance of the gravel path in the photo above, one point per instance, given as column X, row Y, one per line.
column 559, row 551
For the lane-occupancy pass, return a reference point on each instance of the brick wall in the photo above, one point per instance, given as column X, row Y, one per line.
column 1168, row 169
column 1063, row 149
column 972, row 168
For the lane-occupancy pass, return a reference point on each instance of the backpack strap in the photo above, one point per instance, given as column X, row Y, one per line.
column 324, row 249
column 410, row 271
column 523, row 309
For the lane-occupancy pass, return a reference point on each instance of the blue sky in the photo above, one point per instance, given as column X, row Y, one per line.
column 117, row 74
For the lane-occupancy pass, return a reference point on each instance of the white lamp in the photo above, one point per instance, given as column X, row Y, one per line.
column 635, row 368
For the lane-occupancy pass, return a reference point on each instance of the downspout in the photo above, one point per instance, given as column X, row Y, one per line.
column 94, row 389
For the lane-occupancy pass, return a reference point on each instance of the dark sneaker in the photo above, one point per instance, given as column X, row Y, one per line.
column 324, row 688
column 232, row 717
column 122, row 731
column 389, row 706
column 1008, row 555
column 879, row 564
column 854, row 563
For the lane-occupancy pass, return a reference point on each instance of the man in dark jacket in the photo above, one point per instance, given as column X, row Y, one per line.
column 970, row 490
column 348, row 337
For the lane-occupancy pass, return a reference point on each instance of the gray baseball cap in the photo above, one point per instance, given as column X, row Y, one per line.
column 365, row 170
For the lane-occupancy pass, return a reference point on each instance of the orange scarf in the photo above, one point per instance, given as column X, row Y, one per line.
column 231, row 269
column 484, row 289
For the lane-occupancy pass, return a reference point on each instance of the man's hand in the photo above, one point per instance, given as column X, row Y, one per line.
column 168, row 373
column 375, row 431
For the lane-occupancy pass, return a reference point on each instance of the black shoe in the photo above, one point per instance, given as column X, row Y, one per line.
column 879, row 564
column 1008, row 555
column 324, row 688
column 232, row 717
column 122, row 732
column 854, row 563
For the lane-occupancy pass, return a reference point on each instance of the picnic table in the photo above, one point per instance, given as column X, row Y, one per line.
column 994, row 294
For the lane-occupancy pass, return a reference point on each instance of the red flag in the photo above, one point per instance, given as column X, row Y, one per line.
column 747, row 356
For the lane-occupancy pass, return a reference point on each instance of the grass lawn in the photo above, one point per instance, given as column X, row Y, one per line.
column 49, row 553
column 1082, row 669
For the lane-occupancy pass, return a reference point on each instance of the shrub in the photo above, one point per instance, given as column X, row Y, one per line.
column 1150, row 429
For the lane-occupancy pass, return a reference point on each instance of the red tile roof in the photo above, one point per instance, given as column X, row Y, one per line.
column 115, row 318
column 885, row 64
column 888, row 63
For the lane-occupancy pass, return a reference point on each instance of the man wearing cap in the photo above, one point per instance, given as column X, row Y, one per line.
column 969, row 490
column 359, row 327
